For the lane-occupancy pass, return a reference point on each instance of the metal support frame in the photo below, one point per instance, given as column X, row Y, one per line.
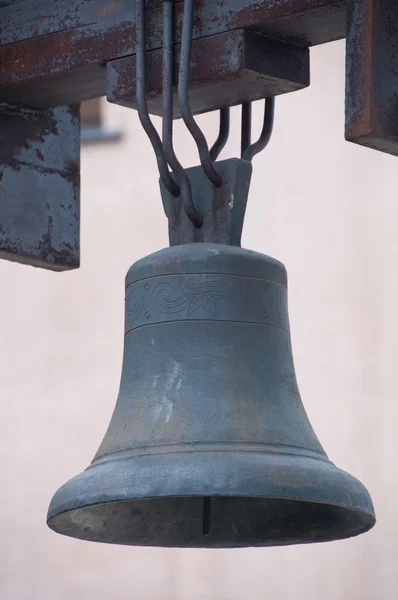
column 82, row 49
column 60, row 59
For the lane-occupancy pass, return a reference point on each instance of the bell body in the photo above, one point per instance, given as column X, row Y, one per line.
column 209, row 444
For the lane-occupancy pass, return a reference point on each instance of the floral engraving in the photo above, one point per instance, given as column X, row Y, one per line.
column 254, row 297
column 197, row 296
column 250, row 299
column 134, row 302
column 207, row 295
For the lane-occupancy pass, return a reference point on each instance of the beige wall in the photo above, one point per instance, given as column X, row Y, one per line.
column 329, row 211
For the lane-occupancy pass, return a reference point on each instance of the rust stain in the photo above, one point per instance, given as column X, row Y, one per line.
column 63, row 52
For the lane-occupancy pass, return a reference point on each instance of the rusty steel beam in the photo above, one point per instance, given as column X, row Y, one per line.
column 46, row 17
column 226, row 69
column 40, row 186
column 372, row 74
column 47, row 59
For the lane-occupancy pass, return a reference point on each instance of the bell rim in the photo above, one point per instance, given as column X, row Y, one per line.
column 369, row 520
column 343, row 492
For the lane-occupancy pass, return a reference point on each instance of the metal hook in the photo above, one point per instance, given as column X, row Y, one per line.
column 249, row 150
column 167, row 126
column 223, row 134
column 192, row 126
column 142, row 100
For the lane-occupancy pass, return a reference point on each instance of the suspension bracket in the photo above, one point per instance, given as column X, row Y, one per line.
column 222, row 208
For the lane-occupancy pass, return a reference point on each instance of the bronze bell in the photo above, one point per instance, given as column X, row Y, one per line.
column 209, row 444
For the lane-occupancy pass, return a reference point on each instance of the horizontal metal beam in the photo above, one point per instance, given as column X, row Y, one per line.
column 60, row 58
column 39, row 18
column 226, row 70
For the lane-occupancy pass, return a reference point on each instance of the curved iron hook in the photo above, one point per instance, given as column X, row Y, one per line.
column 223, row 134
column 183, row 79
column 250, row 151
column 142, row 104
column 167, row 125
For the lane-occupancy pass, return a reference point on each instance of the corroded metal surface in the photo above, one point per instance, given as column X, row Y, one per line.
column 372, row 74
column 226, row 70
column 46, row 17
column 48, row 59
column 40, row 186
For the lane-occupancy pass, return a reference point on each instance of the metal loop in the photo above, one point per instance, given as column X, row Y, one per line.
column 250, row 151
column 167, row 126
column 223, row 135
column 142, row 104
column 183, row 99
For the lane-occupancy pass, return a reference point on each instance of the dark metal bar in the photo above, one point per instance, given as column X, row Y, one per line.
column 372, row 74
column 40, row 186
column 206, row 515
column 185, row 186
column 308, row 22
column 142, row 101
column 265, row 136
column 246, row 127
column 183, row 98
column 223, row 135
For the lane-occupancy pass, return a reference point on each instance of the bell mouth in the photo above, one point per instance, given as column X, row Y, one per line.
column 212, row 522
column 212, row 500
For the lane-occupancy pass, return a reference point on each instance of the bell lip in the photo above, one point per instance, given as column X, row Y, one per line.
column 302, row 479
column 368, row 521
